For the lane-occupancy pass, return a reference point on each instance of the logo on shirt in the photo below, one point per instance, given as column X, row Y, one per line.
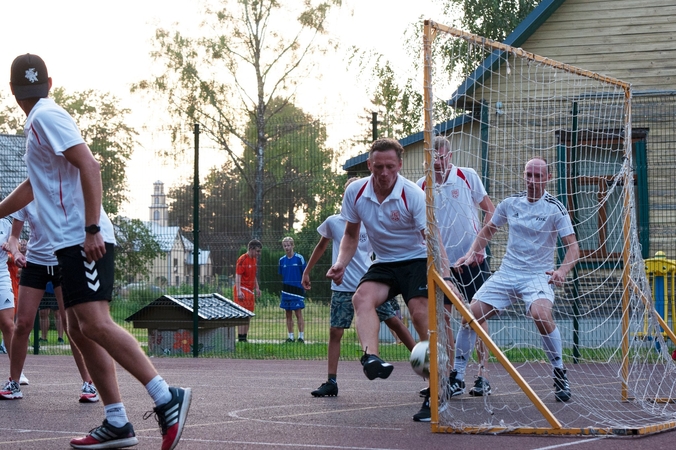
column 516, row 215
column 363, row 237
column 32, row 75
column 540, row 219
column 455, row 193
column 395, row 216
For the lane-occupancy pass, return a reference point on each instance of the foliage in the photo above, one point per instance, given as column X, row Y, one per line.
column 136, row 249
column 252, row 53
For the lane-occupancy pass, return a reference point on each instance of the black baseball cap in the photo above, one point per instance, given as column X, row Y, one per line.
column 29, row 77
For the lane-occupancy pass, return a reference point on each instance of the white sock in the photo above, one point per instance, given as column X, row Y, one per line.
column 116, row 415
column 291, row 335
column 553, row 348
column 158, row 389
column 463, row 349
column 301, row 335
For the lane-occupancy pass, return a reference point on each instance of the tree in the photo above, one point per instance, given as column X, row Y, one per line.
column 136, row 249
column 252, row 52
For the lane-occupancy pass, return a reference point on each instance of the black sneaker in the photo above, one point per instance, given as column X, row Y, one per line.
column 290, row 340
column 561, row 385
column 424, row 415
column 455, row 385
column 374, row 367
column 480, row 388
column 107, row 436
column 425, row 392
column 301, row 341
column 171, row 416
column 328, row 389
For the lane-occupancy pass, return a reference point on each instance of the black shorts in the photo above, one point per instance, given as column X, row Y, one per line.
column 408, row 278
column 83, row 282
column 470, row 280
column 37, row 276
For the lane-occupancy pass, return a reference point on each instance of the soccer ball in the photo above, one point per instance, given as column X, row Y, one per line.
column 420, row 359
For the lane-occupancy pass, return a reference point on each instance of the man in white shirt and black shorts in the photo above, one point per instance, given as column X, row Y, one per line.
column 536, row 219
column 64, row 180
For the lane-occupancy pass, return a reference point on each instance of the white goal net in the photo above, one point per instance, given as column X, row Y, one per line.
column 507, row 106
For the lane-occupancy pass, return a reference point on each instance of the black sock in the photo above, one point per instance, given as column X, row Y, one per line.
column 332, row 378
column 241, row 337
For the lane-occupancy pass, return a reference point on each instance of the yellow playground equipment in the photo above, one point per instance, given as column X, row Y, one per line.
column 662, row 276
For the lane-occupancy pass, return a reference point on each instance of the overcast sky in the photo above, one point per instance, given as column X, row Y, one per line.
column 105, row 45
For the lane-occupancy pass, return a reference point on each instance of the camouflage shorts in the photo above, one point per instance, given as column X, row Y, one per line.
column 342, row 311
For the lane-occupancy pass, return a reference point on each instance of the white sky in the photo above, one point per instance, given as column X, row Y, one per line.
column 105, row 46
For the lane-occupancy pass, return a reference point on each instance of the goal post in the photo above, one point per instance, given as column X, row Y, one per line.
column 507, row 106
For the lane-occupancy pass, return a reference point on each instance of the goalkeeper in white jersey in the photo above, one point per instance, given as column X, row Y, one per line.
column 527, row 273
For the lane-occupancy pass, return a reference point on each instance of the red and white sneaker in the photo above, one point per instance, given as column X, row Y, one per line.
column 89, row 393
column 171, row 416
column 107, row 436
column 11, row 391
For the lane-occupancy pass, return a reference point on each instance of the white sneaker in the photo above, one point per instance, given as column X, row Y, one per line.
column 89, row 393
column 23, row 381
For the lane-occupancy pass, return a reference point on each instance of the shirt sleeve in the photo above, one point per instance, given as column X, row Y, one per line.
column 59, row 129
column 500, row 215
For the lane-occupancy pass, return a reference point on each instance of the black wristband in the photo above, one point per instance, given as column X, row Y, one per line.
column 448, row 279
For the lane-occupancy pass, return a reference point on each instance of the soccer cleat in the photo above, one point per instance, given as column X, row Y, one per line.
column 424, row 415
column 328, row 389
column 107, row 436
column 89, row 393
column 43, row 340
column 480, row 388
column 290, row 340
column 301, row 341
column 11, row 391
column 561, row 385
column 374, row 367
column 425, row 392
column 171, row 416
column 60, row 341
column 23, row 381
column 456, row 386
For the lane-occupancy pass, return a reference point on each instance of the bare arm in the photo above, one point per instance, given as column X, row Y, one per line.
column 238, row 286
column 348, row 247
column 17, row 199
column 90, row 177
column 558, row 276
column 12, row 244
column 317, row 253
column 488, row 208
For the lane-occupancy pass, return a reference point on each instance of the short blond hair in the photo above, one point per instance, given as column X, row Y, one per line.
column 288, row 239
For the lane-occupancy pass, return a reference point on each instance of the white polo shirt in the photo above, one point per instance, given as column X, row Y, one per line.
column 457, row 202
column 57, row 190
column 393, row 226
column 533, row 229
column 334, row 228
column 38, row 250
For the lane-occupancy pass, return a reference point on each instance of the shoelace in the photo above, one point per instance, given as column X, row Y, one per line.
column 161, row 420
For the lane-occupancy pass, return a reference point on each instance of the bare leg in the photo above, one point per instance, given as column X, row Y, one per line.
column 7, row 328
column 44, row 323
column 417, row 306
column 59, row 321
column 335, row 336
column 29, row 301
column 399, row 329
column 300, row 320
column 77, row 355
column 369, row 296
column 289, row 320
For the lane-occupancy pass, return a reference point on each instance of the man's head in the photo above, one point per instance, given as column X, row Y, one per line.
column 255, row 248
column 29, row 77
column 442, row 153
column 287, row 243
column 536, row 175
column 385, row 162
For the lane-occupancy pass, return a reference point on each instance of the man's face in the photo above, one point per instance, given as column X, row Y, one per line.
column 288, row 247
column 442, row 159
column 385, row 166
column 255, row 252
column 536, row 176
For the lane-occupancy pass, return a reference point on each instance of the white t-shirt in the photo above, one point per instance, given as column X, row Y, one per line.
column 457, row 202
column 533, row 229
column 5, row 231
column 57, row 190
column 394, row 226
column 334, row 228
column 38, row 250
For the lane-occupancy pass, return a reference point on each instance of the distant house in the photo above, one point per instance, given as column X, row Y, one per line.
column 625, row 39
column 174, row 266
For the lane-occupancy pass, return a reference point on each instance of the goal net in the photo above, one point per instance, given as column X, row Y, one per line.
column 507, row 106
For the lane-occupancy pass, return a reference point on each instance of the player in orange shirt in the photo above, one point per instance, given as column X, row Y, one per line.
column 246, row 284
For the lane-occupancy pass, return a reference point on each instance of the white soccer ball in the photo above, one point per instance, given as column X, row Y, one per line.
column 420, row 359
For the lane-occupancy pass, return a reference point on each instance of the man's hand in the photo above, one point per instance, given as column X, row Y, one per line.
column 336, row 273
column 556, row 277
column 240, row 294
column 307, row 285
column 470, row 259
column 94, row 247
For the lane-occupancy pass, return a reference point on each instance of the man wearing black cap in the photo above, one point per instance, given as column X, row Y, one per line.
column 64, row 180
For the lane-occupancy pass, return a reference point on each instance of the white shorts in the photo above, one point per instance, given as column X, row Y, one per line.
column 506, row 287
column 6, row 298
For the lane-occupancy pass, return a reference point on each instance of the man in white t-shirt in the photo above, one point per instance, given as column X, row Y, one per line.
column 459, row 196
column 64, row 180
column 342, row 310
column 527, row 273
